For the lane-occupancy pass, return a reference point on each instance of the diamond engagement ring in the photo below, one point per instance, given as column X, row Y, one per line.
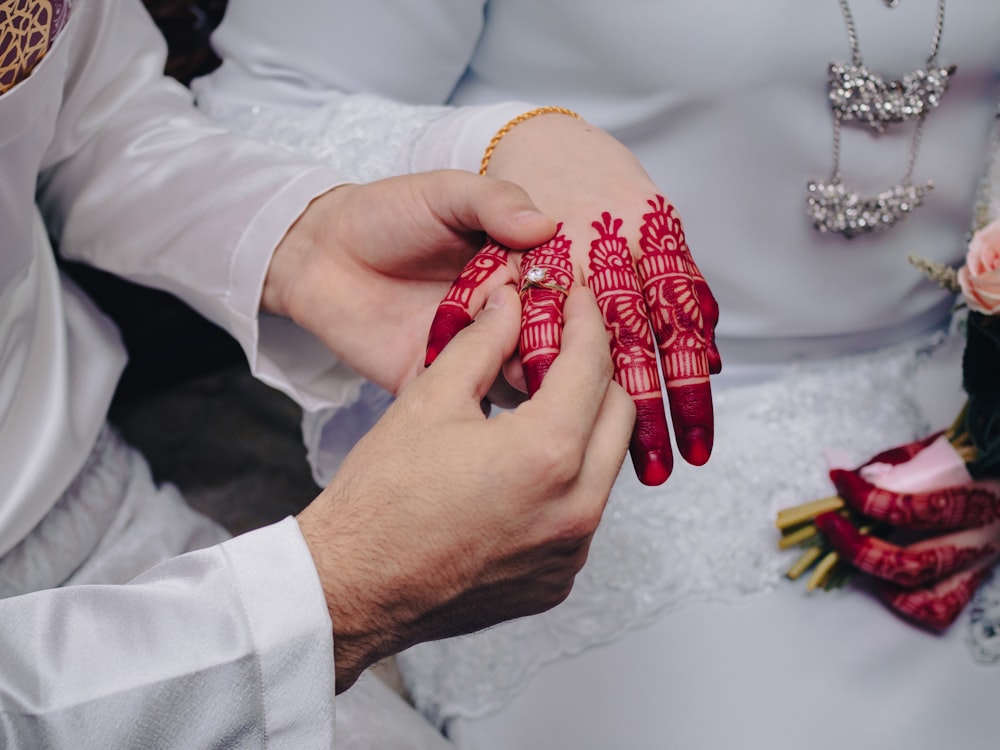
column 538, row 278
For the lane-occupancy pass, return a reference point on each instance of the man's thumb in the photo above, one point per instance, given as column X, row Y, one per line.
column 470, row 363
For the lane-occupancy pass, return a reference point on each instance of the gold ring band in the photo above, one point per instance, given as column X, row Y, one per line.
column 537, row 278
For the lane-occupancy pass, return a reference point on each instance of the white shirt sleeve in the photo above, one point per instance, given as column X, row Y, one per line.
column 227, row 646
column 137, row 182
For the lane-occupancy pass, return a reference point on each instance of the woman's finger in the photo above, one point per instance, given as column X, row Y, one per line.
column 545, row 278
column 466, row 297
column 710, row 314
column 670, row 281
column 611, row 276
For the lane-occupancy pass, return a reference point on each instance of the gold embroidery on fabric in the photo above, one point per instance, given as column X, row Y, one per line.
column 25, row 26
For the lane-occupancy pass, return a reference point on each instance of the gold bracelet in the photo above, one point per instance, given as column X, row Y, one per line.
column 515, row 122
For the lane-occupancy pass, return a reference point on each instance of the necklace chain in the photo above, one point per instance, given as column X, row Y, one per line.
column 859, row 96
column 852, row 31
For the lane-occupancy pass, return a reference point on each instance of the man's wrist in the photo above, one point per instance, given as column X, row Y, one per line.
column 360, row 638
column 290, row 260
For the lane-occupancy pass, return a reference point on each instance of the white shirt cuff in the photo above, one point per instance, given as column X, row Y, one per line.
column 290, row 628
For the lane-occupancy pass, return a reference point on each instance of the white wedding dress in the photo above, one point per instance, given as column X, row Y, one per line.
column 681, row 631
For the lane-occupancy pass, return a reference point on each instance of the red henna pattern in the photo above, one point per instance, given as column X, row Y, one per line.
column 613, row 281
column 935, row 607
column 668, row 278
column 670, row 281
column 455, row 311
column 542, row 309
column 904, row 566
column 612, row 278
column 962, row 506
column 910, row 568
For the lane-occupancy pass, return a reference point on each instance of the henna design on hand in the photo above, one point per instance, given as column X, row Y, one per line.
column 542, row 306
column 664, row 308
column 455, row 311
column 612, row 278
column 672, row 285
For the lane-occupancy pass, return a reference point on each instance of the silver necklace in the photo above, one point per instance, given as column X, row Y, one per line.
column 864, row 98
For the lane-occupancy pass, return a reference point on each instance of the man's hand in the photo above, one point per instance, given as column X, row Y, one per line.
column 624, row 240
column 366, row 265
column 441, row 522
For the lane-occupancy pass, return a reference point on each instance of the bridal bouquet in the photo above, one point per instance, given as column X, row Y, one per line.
column 924, row 518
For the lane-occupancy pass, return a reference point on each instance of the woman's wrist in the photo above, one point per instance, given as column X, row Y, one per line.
column 513, row 123
column 562, row 160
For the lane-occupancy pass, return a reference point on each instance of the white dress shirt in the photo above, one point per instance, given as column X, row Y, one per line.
column 230, row 646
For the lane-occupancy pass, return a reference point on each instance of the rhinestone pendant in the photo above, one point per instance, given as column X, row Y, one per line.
column 834, row 208
column 858, row 94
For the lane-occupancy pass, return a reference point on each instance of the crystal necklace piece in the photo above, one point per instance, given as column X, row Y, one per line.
column 861, row 97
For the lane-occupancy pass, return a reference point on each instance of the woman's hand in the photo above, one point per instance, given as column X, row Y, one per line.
column 624, row 240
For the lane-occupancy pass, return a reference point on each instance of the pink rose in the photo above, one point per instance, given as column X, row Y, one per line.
column 980, row 276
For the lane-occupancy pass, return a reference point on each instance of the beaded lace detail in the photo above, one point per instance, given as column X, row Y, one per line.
column 340, row 133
